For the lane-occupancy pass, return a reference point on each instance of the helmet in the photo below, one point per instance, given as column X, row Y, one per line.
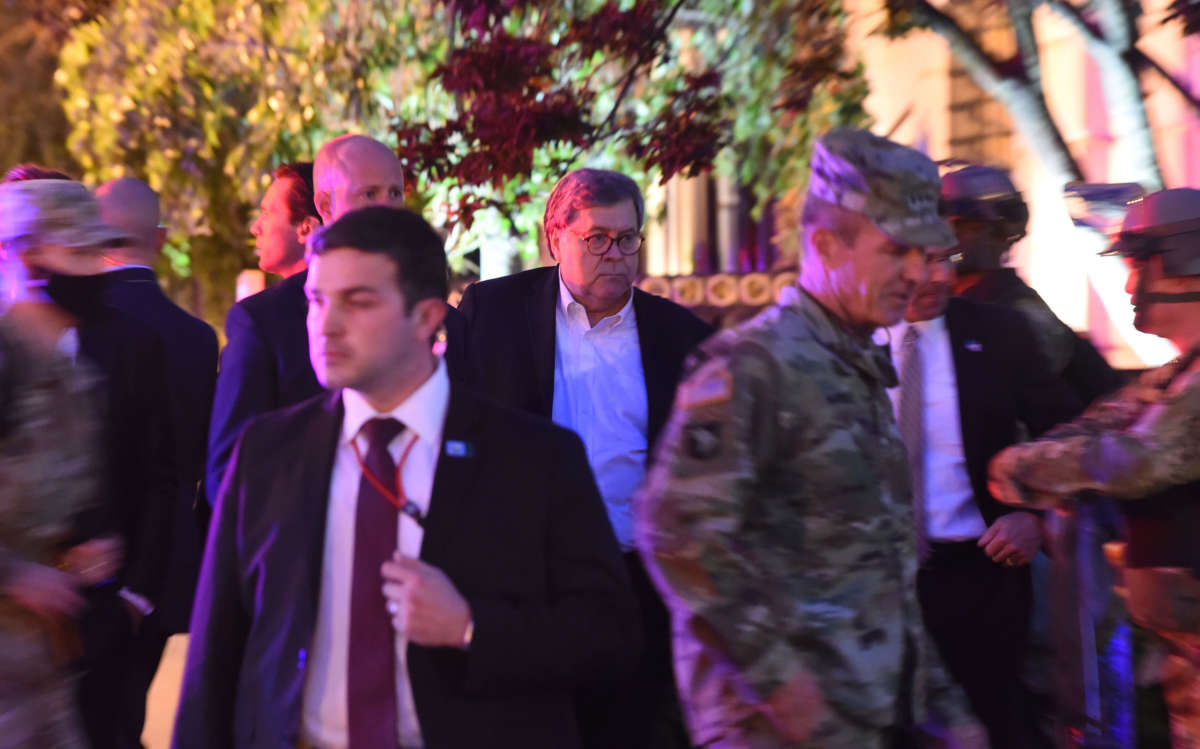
column 983, row 193
column 1163, row 223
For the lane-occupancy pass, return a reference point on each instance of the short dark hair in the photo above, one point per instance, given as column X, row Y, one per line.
column 27, row 172
column 300, row 197
column 411, row 243
column 586, row 188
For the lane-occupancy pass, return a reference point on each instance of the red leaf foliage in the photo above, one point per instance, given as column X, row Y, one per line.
column 502, row 63
column 512, row 101
column 633, row 34
column 687, row 134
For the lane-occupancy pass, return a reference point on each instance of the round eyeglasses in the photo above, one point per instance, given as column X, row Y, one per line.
column 598, row 243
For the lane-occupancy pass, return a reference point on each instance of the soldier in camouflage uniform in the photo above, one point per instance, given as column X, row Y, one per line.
column 777, row 519
column 49, row 464
column 1143, row 445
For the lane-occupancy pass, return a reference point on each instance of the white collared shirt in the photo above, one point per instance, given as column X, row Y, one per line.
column 950, row 510
column 324, row 722
column 600, row 393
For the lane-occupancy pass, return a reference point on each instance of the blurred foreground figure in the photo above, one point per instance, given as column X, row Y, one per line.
column 50, row 464
column 1082, row 664
column 139, row 467
column 777, row 519
column 1143, row 444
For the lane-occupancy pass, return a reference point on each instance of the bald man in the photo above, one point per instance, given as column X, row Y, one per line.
column 265, row 363
column 354, row 171
column 190, row 348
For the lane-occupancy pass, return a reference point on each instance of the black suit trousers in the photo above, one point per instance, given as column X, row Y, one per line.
column 117, row 668
column 977, row 612
column 641, row 712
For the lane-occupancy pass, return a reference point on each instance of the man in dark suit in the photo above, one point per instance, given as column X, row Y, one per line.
column 265, row 363
column 121, row 637
column 423, row 568
column 579, row 344
column 190, row 345
column 971, row 384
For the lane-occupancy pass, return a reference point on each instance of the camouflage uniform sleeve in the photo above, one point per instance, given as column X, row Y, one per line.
column 1117, row 411
column 693, row 505
column 1132, row 458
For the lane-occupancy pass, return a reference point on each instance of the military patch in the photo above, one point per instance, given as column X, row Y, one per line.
column 702, row 441
column 712, row 387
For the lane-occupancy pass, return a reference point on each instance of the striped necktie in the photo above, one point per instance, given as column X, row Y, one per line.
column 912, row 430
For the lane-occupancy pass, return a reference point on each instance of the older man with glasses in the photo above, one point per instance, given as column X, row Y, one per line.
column 578, row 344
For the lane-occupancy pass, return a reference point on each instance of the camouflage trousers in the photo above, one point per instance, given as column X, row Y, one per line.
column 1181, row 688
column 37, row 700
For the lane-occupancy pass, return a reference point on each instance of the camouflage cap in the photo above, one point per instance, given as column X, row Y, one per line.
column 896, row 187
column 55, row 211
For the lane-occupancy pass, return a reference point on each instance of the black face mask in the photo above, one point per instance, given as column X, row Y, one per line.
column 82, row 296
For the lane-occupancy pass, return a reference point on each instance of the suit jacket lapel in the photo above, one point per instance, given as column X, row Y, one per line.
column 315, row 451
column 659, row 385
column 453, row 482
column 971, row 377
column 540, row 311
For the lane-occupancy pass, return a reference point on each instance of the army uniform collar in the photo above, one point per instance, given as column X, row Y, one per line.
column 866, row 356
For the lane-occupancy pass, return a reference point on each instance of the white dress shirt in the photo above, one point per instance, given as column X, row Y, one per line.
column 600, row 393
column 423, row 414
column 950, row 510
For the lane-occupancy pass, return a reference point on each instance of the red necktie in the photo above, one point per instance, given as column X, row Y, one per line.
column 371, row 681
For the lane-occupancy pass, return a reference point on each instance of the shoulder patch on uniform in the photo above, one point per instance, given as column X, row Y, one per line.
column 708, row 388
column 702, row 441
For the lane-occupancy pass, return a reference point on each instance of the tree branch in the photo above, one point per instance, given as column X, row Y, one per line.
column 1024, row 102
column 1020, row 14
column 962, row 44
column 637, row 65
column 1117, row 23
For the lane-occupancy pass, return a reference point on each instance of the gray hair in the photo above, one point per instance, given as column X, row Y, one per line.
column 587, row 188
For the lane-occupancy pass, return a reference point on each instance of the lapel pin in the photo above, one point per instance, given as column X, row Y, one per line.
column 975, row 346
column 459, row 449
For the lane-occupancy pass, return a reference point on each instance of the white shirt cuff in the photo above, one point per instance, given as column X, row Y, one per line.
column 141, row 603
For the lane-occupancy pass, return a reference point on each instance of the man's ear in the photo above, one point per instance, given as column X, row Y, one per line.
column 828, row 245
column 551, row 240
column 160, row 239
column 305, row 228
column 323, row 200
column 429, row 314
